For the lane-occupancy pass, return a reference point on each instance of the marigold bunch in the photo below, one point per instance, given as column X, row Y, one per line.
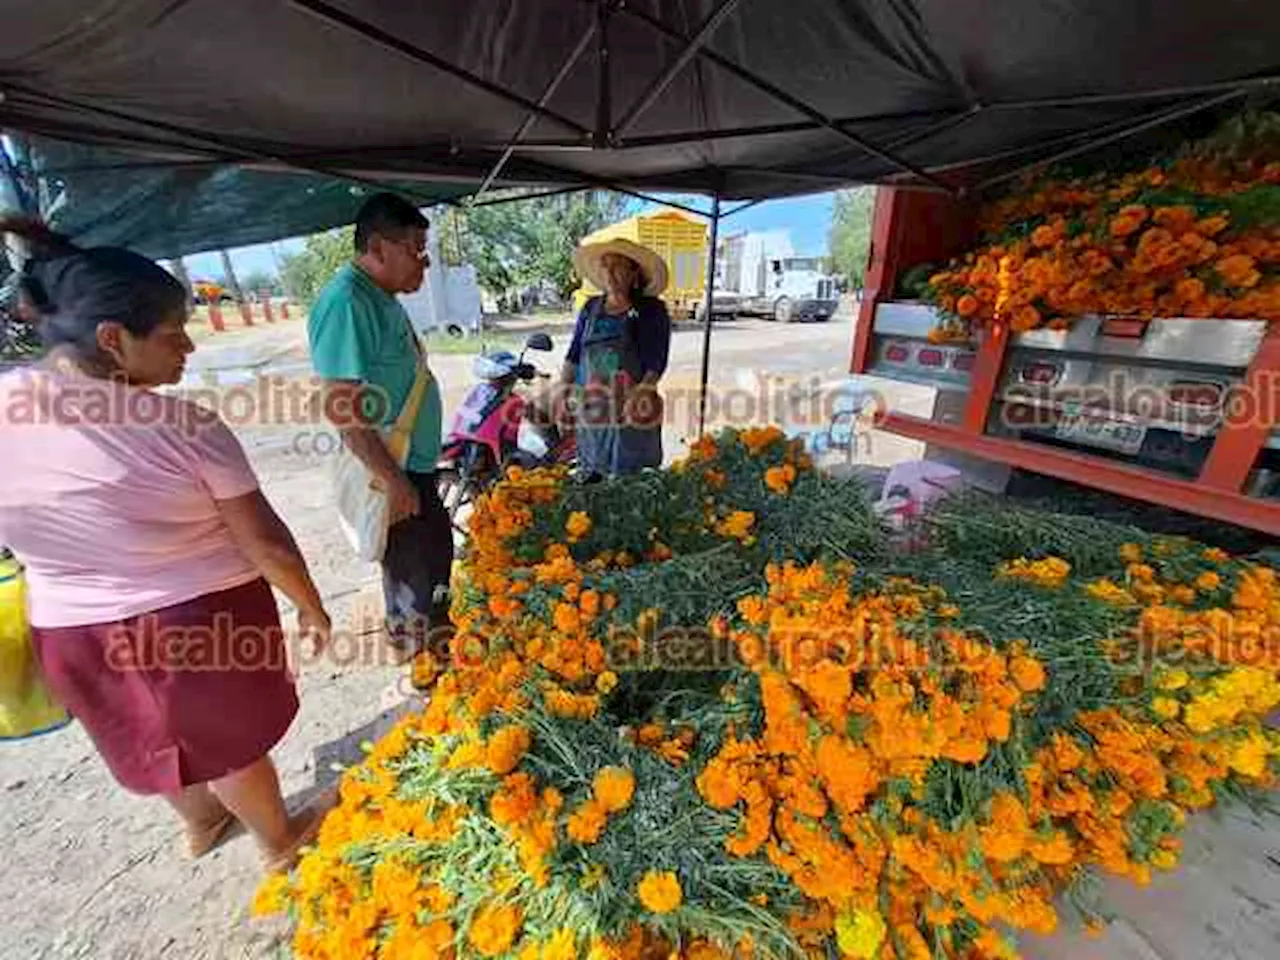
column 797, row 741
column 1194, row 235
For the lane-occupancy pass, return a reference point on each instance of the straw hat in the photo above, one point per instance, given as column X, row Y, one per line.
column 588, row 260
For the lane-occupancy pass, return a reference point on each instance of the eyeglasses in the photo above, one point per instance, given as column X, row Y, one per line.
column 418, row 253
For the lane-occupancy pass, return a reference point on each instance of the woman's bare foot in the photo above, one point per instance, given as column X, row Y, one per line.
column 303, row 828
column 205, row 819
column 203, row 838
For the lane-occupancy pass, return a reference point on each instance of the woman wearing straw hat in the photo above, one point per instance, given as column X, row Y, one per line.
column 618, row 355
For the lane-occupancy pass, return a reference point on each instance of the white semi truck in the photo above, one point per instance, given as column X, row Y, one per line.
column 762, row 276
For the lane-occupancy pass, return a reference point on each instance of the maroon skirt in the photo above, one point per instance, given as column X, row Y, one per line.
column 177, row 696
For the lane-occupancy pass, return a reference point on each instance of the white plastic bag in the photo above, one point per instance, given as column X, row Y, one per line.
column 363, row 511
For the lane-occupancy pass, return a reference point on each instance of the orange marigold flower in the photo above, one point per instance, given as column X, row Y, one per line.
column 1214, row 225
column 578, row 525
column 493, row 929
column 515, row 802
column 1056, row 850
column 660, row 891
column 753, row 609
column 1028, row 673
column 1129, row 220
column 1046, row 235
column 1006, row 838
column 720, row 784
column 1177, row 219
column 847, row 771
column 614, row 787
column 587, row 823
column 1190, row 290
column 758, row 439
column 779, row 479
column 1025, row 318
column 1209, row 580
column 704, row 448
column 967, row 305
column 506, row 748
column 737, row 525
column 1239, row 270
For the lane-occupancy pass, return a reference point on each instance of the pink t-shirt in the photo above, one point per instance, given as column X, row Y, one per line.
column 107, row 497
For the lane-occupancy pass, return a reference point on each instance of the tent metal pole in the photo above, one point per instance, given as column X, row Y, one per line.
column 340, row 18
column 694, row 136
column 1051, row 144
column 1094, row 99
column 664, row 79
column 531, row 117
column 497, row 201
column 799, row 126
column 648, row 198
column 736, row 210
column 604, row 102
column 1159, row 119
column 708, row 305
column 942, row 126
column 795, row 103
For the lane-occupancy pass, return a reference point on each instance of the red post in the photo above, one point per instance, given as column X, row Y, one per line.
column 215, row 317
column 284, row 309
column 985, row 377
column 1251, row 415
column 882, row 265
column 266, row 308
column 246, row 314
column 908, row 227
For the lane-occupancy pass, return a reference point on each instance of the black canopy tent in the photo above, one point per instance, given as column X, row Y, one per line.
column 734, row 99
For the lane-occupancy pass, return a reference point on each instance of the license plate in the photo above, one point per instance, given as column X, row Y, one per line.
column 1106, row 434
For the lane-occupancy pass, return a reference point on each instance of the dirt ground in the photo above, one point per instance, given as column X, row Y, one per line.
column 93, row 872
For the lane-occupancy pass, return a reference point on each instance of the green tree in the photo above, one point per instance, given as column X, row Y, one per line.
column 850, row 237
column 303, row 274
column 525, row 242
column 260, row 281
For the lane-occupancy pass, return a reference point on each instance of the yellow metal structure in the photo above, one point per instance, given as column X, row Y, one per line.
column 25, row 705
column 679, row 238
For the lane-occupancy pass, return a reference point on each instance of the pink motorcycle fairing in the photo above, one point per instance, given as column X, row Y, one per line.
column 489, row 416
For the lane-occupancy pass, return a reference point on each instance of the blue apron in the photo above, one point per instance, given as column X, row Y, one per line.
column 608, row 367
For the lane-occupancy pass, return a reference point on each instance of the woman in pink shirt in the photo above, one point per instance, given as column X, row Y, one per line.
column 149, row 550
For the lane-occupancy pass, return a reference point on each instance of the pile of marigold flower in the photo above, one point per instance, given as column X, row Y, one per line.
column 1196, row 234
column 715, row 711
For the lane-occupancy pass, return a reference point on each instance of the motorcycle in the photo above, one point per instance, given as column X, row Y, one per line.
column 497, row 427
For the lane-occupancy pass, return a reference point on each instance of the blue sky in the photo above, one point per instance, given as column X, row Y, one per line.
column 807, row 218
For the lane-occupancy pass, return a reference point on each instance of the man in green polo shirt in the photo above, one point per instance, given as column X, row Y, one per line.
column 364, row 348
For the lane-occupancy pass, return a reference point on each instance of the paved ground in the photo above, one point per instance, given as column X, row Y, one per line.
column 93, row 872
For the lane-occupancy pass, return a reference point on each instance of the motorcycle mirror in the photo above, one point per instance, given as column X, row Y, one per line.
column 538, row 341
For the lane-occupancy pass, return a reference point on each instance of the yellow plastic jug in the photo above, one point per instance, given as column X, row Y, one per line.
column 26, row 707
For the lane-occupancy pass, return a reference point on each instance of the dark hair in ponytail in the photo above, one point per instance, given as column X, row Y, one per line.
column 73, row 290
